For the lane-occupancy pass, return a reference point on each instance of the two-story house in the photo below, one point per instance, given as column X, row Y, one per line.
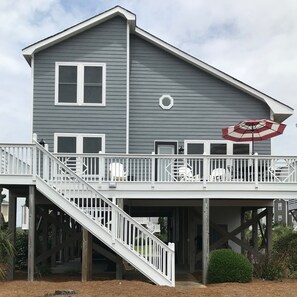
column 284, row 212
column 132, row 128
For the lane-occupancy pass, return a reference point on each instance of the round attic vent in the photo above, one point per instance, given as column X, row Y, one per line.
column 166, row 101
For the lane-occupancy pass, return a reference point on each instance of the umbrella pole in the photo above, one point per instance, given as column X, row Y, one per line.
column 253, row 141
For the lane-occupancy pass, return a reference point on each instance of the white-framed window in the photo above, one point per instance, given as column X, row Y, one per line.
column 166, row 102
column 80, row 83
column 279, row 206
column 279, row 218
column 79, row 143
column 217, row 147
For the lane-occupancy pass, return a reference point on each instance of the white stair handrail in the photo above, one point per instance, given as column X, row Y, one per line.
column 93, row 204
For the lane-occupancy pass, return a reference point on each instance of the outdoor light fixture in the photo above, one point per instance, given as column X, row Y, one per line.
column 181, row 150
column 42, row 142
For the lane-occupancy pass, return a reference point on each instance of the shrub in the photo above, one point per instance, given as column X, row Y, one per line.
column 228, row 266
column 283, row 260
column 21, row 246
column 6, row 251
column 270, row 268
column 286, row 248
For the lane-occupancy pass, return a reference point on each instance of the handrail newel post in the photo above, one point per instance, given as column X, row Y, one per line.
column 171, row 245
column 34, row 157
column 114, row 224
column 205, row 170
column 45, row 164
column 153, row 169
column 34, row 163
column 34, row 137
column 101, row 169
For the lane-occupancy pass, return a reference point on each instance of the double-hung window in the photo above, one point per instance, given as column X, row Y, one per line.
column 80, row 83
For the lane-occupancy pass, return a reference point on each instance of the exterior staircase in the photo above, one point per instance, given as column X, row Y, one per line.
column 90, row 208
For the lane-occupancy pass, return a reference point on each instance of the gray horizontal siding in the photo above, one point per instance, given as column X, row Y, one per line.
column 203, row 104
column 105, row 43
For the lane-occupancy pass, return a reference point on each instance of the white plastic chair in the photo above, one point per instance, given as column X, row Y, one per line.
column 218, row 174
column 117, row 172
column 185, row 174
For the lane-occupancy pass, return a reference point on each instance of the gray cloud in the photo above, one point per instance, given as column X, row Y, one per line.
column 254, row 41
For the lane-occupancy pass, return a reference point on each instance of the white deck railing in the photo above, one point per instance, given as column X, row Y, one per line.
column 17, row 159
column 182, row 168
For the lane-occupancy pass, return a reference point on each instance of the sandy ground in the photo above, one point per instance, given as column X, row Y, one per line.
column 125, row 288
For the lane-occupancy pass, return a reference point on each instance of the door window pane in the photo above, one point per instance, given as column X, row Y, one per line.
column 66, row 144
column 218, row 148
column 92, row 145
column 241, row 149
column 166, row 149
column 196, row 165
column 195, row 148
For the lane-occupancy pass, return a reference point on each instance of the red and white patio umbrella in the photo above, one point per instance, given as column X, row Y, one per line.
column 253, row 130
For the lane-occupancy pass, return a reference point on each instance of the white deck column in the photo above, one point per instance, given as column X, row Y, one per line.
column 12, row 230
column 31, row 237
column 205, row 240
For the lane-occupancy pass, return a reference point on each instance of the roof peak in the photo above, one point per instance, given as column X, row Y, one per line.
column 29, row 51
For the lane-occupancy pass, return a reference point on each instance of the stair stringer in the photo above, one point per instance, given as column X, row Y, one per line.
column 88, row 223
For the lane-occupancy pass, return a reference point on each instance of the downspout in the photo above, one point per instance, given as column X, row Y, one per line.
column 32, row 96
column 128, row 89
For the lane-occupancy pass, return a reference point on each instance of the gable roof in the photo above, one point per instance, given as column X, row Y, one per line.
column 78, row 28
column 279, row 110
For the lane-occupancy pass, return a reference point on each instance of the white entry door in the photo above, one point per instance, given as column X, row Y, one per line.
column 165, row 166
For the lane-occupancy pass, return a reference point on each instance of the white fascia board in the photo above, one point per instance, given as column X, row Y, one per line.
column 94, row 21
column 277, row 107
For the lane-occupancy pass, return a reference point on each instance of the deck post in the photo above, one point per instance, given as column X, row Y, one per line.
column 53, row 244
column 255, row 233
column 45, row 235
column 31, row 237
column 191, row 239
column 269, row 230
column 242, row 220
column 119, row 261
column 205, row 239
column 12, row 231
column 119, row 268
column 86, row 273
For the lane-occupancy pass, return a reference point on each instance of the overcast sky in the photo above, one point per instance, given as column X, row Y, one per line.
column 253, row 41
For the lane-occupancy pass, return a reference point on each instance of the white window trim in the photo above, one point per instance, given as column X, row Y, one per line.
column 79, row 140
column 207, row 144
column 80, row 83
column 166, row 107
